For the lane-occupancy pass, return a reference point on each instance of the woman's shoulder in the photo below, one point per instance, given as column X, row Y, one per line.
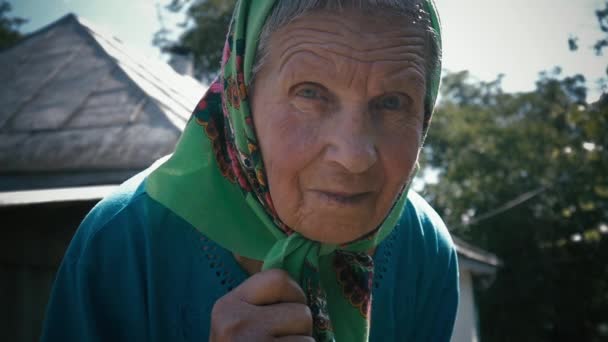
column 421, row 241
column 416, row 278
column 421, row 222
column 128, row 224
column 136, row 269
column 126, row 211
column 420, row 244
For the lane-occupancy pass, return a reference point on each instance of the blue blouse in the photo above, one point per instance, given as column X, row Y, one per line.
column 135, row 271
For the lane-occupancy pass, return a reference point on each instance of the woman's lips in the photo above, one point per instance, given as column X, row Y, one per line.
column 342, row 198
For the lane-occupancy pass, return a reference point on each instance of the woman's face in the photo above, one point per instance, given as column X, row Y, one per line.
column 338, row 111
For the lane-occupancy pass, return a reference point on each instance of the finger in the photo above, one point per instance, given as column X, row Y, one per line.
column 294, row 338
column 270, row 287
column 286, row 319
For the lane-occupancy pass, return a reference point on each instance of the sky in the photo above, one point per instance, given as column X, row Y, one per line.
column 517, row 38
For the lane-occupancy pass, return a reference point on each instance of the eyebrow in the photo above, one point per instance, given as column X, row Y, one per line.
column 412, row 75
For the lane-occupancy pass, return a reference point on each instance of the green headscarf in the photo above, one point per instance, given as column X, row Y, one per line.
column 216, row 181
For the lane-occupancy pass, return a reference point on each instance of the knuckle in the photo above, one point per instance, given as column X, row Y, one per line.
column 278, row 276
column 307, row 312
column 308, row 318
column 280, row 280
column 219, row 305
column 225, row 324
column 225, row 329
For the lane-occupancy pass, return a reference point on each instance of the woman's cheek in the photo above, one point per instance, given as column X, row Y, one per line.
column 292, row 150
column 298, row 129
column 402, row 134
column 399, row 148
column 291, row 140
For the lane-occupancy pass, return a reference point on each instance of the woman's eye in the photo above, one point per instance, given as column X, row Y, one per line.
column 392, row 102
column 308, row 93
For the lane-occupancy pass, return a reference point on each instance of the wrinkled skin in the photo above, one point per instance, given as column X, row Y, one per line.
column 338, row 109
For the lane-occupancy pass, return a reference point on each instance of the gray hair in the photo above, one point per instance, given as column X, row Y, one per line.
column 286, row 11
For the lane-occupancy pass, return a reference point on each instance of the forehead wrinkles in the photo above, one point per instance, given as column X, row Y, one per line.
column 364, row 40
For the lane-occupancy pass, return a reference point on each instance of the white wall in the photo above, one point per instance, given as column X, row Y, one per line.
column 465, row 328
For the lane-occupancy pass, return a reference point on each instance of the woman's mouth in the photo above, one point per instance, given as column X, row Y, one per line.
column 342, row 198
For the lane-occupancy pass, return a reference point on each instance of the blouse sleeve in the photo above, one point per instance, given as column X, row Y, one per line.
column 438, row 281
column 438, row 310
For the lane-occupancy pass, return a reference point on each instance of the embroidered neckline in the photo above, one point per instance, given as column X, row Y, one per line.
column 221, row 264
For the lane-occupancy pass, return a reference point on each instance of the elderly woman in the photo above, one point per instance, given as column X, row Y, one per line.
column 285, row 208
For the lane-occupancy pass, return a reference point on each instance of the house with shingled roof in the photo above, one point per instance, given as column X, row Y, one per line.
column 79, row 114
column 77, row 108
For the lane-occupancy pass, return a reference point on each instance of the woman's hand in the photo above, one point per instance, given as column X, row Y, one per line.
column 266, row 307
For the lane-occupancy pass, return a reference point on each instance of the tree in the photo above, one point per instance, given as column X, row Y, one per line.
column 206, row 26
column 602, row 18
column 538, row 163
column 9, row 27
column 600, row 44
column 526, row 176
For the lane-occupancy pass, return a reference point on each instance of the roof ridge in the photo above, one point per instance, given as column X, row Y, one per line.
column 111, row 38
column 135, row 65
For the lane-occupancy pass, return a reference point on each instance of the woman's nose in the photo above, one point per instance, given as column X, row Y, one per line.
column 351, row 144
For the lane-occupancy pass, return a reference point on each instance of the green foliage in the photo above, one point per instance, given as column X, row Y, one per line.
column 548, row 150
column 525, row 176
column 206, row 26
column 9, row 27
column 602, row 18
column 602, row 43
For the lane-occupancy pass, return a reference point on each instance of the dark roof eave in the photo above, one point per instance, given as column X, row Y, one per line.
column 475, row 267
column 468, row 251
